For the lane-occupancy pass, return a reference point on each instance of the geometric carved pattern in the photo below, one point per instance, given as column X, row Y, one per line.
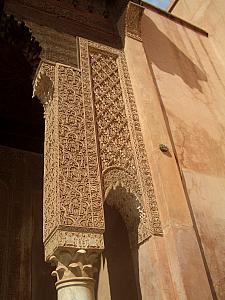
column 123, row 158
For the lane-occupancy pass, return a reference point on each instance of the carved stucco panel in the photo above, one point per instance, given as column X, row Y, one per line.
column 45, row 88
column 93, row 145
column 72, row 188
column 123, row 160
column 75, row 202
column 91, row 139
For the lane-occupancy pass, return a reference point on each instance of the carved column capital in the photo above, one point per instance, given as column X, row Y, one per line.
column 74, row 271
column 76, row 264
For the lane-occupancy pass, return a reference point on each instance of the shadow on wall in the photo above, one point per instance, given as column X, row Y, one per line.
column 162, row 52
column 122, row 261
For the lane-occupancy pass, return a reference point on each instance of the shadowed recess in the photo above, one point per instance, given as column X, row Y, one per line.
column 121, row 261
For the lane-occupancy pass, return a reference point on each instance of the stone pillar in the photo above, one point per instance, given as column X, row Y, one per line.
column 74, row 272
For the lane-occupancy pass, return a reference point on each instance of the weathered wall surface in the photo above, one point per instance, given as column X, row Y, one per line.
column 172, row 262
column 189, row 77
column 207, row 14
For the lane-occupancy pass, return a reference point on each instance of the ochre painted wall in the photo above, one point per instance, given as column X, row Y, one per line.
column 189, row 76
column 209, row 15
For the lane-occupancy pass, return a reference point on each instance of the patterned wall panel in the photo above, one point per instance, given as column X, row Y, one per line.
column 93, row 146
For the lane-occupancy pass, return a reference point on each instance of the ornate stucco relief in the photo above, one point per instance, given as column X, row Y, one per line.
column 45, row 89
column 123, row 160
column 93, row 146
column 72, row 188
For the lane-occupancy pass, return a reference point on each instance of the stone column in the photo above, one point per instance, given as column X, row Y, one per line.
column 74, row 272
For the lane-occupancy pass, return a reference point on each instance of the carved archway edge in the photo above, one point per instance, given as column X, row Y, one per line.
column 46, row 89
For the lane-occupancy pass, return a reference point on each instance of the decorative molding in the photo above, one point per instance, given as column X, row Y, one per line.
column 91, row 140
column 73, row 240
column 141, row 155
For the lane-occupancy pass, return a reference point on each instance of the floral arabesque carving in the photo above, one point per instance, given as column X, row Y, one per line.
column 80, row 193
column 73, row 214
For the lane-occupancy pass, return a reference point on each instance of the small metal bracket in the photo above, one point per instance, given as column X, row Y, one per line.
column 163, row 148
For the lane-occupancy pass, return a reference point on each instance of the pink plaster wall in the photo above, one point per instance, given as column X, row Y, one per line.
column 171, row 267
column 189, row 77
column 208, row 14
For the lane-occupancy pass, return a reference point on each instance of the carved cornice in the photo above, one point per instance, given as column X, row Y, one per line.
column 64, row 17
column 68, row 240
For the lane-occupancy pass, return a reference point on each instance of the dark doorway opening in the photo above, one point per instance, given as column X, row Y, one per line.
column 24, row 274
column 122, row 261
